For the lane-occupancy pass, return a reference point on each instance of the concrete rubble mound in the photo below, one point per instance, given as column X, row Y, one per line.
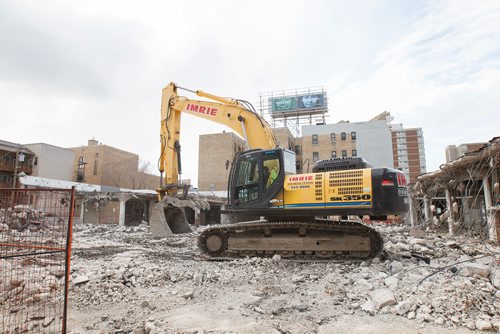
column 124, row 280
column 30, row 284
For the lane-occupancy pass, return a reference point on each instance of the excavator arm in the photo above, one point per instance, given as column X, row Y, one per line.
column 235, row 114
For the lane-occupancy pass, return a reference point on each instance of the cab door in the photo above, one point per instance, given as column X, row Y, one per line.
column 247, row 181
column 255, row 178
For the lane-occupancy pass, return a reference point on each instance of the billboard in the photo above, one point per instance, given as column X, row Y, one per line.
column 298, row 103
column 310, row 101
column 284, row 103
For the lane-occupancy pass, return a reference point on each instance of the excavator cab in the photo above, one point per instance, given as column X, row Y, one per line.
column 257, row 177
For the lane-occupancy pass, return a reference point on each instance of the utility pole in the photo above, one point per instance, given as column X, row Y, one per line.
column 16, row 165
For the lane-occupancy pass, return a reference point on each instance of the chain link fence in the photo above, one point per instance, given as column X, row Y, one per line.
column 35, row 244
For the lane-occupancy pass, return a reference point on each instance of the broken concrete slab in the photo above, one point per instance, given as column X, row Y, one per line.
column 383, row 297
column 476, row 270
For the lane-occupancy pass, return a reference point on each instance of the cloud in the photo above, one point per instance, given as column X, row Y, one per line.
column 440, row 75
column 63, row 51
column 70, row 71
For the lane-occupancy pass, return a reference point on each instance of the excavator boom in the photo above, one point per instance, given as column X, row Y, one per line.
column 169, row 215
column 234, row 114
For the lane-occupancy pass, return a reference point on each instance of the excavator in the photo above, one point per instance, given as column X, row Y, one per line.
column 271, row 209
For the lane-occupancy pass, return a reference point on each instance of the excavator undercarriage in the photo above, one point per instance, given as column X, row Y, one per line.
column 317, row 238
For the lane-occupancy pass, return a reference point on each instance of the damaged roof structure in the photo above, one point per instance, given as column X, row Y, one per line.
column 464, row 193
column 100, row 204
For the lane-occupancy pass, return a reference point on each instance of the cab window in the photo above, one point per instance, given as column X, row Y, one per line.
column 271, row 169
column 247, row 182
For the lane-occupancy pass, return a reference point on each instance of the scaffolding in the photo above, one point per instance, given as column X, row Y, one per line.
column 298, row 115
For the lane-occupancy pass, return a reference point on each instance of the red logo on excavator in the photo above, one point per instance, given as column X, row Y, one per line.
column 201, row 109
column 300, row 178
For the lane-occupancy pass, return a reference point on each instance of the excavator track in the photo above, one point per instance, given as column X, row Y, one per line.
column 316, row 239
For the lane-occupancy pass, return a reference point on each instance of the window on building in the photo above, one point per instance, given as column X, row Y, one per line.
column 354, row 153
column 95, row 167
column 344, row 153
column 35, row 163
column 315, row 156
column 332, row 137
column 298, row 165
column 315, row 139
column 334, row 154
column 343, row 136
column 353, row 135
column 297, row 149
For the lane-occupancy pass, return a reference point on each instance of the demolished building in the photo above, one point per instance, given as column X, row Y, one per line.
column 98, row 204
column 464, row 195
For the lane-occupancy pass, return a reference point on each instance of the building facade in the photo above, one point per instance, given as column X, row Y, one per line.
column 105, row 165
column 14, row 159
column 409, row 151
column 52, row 162
column 379, row 142
column 370, row 140
column 453, row 152
column 216, row 153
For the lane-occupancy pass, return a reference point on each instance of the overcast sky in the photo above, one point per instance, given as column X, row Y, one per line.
column 75, row 70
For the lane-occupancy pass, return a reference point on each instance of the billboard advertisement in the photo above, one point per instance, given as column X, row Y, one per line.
column 310, row 101
column 284, row 103
column 298, row 103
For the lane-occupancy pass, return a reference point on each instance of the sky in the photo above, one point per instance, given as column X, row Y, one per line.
column 75, row 70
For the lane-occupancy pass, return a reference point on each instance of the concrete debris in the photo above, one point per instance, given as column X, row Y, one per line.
column 383, row 298
column 81, row 280
column 125, row 280
column 495, row 278
column 476, row 269
column 396, row 267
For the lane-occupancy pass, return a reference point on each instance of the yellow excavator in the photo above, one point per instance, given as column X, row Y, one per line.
column 271, row 209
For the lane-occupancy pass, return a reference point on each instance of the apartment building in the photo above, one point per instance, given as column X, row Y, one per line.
column 408, row 151
column 14, row 159
column 52, row 162
column 370, row 140
column 101, row 164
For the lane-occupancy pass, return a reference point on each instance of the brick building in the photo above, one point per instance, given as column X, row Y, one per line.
column 105, row 165
column 214, row 153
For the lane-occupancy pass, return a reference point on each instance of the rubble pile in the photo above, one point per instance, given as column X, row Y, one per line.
column 30, row 292
column 20, row 218
column 124, row 280
column 23, row 221
column 31, row 285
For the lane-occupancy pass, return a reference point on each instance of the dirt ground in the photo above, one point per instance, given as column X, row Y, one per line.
column 126, row 281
